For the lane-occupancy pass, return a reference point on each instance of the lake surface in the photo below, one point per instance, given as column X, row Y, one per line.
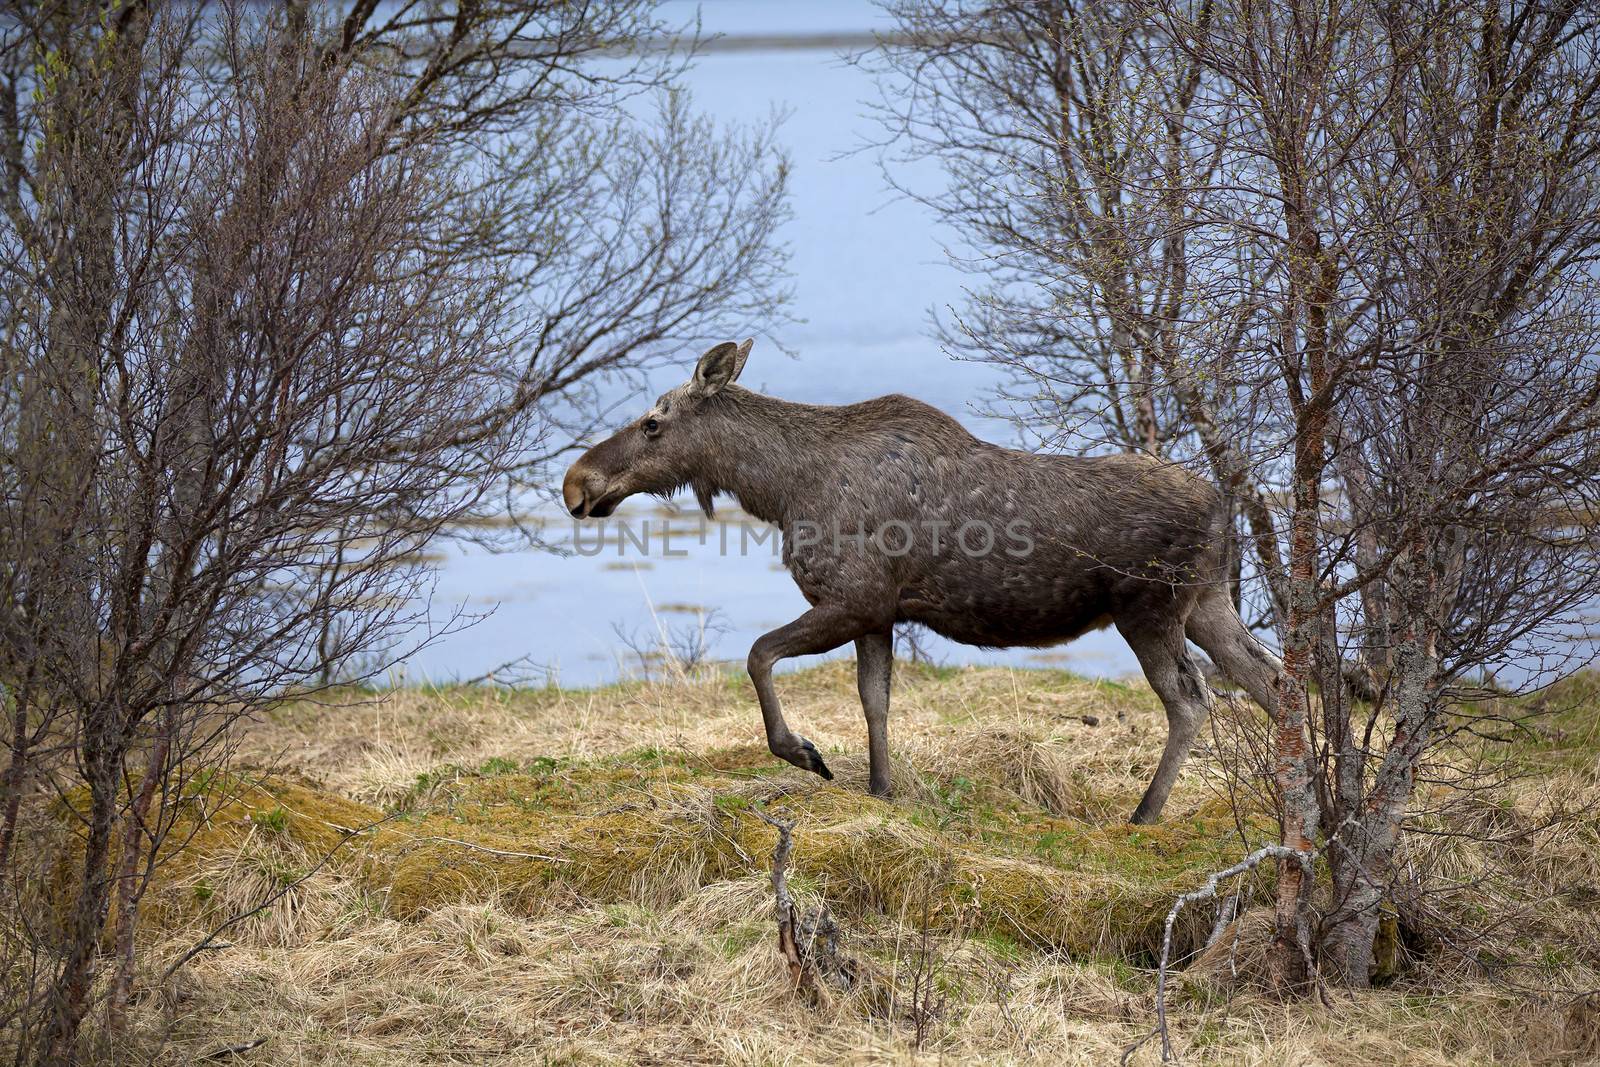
column 868, row 270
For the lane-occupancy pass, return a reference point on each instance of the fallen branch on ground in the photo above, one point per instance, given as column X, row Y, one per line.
column 1205, row 892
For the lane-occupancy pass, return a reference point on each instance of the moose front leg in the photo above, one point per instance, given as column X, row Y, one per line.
column 822, row 629
column 874, row 665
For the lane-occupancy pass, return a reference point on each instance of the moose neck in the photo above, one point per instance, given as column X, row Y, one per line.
column 766, row 450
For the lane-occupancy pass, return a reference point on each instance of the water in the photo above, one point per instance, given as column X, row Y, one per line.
column 869, row 267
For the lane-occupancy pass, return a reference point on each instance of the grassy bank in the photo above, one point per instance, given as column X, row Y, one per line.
column 552, row 876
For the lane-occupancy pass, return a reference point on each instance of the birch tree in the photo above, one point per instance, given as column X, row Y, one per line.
column 1341, row 254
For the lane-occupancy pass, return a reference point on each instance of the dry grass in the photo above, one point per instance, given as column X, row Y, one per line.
column 579, row 877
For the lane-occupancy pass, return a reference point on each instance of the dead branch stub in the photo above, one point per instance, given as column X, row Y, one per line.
column 808, row 944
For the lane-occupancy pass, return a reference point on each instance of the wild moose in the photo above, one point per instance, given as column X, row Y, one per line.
column 892, row 512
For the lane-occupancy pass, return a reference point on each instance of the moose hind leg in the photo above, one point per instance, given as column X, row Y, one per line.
column 1218, row 630
column 822, row 629
column 1176, row 678
column 874, row 665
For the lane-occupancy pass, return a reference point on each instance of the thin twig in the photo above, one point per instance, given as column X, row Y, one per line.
column 1127, row 1053
column 235, row 1050
column 506, row 853
column 524, row 662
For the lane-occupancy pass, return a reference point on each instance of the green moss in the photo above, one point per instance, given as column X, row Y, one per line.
column 1386, row 951
column 1000, row 945
column 928, row 672
column 736, row 940
column 1556, row 729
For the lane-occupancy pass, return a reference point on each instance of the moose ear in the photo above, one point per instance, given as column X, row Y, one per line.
column 719, row 366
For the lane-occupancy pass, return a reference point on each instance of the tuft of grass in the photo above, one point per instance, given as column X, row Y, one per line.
column 275, row 820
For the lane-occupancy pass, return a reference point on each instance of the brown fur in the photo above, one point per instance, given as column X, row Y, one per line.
column 1076, row 543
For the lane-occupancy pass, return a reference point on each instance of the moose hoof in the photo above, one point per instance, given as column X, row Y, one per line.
column 810, row 759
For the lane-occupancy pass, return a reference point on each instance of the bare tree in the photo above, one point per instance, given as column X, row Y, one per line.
column 1468, row 448
column 282, row 300
column 1343, row 253
column 1428, row 178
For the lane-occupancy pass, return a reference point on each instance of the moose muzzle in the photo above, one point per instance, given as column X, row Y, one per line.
column 585, row 491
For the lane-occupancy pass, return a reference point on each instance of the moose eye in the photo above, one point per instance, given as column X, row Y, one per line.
column 652, row 426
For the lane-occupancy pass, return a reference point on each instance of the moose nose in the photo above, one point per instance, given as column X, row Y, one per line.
column 572, row 491
column 583, row 489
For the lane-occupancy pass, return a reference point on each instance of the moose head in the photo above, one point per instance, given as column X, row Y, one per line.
column 672, row 445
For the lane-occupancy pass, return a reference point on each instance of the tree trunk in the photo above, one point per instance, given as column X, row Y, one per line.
column 1373, row 833
column 1347, row 944
column 16, row 773
column 130, row 889
column 1289, row 974
column 70, row 993
column 1291, row 762
column 1303, row 628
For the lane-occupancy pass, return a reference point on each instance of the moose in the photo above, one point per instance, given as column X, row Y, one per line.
column 891, row 511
